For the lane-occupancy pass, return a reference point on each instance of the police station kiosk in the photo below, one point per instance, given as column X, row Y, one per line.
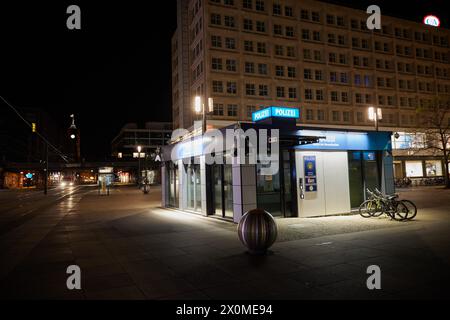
column 321, row 172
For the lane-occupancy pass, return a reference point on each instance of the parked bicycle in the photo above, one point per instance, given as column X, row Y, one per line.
column 379, row 203
column 403, row 182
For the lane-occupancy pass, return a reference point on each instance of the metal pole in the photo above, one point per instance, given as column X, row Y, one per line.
column 203, row 119
column 376, row 120
column 139, row 169
column 46, row 170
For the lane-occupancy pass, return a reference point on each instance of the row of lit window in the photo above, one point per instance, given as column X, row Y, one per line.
column 339, row 21
column 231, row 65
column 318, row 95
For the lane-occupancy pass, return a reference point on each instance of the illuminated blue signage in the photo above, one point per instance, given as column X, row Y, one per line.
column 276, row 112
column 29, row 175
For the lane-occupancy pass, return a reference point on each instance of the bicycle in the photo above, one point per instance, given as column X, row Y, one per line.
column 408, row 208
column 379, row 203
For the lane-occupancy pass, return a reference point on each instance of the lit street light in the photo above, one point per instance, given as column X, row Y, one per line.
column 139, row 148
column 375, row 114
column 199, row 107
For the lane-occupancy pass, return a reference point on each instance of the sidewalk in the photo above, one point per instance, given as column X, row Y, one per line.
column 128, row 248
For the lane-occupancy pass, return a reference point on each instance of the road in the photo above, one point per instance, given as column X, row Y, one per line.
column 129, row 248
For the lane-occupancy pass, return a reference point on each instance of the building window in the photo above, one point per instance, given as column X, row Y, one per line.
column 276, row 9
column 309, row 114
column 292, row 93
column 319, row 95
column 346, row 116
column 289, row 31
column 359, row 117
column 250, row 110
column 307, row 74
column 344, row 96
column 249, row 67
column 308, row 94
column 316, row 35
column 288, row 11
column 292, row 73
column 261, row 47
column 231, row 87
column 263, row 90
column 231, row 65
column 320, row 115
column 232, row 110
column 336, row 116
column 248, row 46
column 318, row 75
column 248, row 24
column 262, row 68
column 216, row 41
column 290, row 51
column 259, row 5
column 217, row 86
column 305, row 34
column 279, row 71
column 306, row 54
column 315, row 16
column 218, row 109
column 260, row 26
column 229, row 22
column 247, row 4
column 216, row 64
column 279, row 50
column 216, row 19
column 334, row 96
column 277, row 29
column 280, row 92
column 250, row 89
column 230, row 43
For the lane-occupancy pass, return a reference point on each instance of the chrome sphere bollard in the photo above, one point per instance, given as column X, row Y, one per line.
column 257, row 230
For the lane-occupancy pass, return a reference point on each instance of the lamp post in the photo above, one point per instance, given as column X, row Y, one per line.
column 199, row 107
column 375, row 115
column 139, row 148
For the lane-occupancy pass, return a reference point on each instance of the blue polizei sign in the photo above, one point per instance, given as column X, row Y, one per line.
column 276, row 112
column 310, row 173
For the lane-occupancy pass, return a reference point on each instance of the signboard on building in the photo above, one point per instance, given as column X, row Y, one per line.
column 310, row 173
column 276, row 112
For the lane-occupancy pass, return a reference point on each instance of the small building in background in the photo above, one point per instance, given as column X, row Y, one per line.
column 150, row 137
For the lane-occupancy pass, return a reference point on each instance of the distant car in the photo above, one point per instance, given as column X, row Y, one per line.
column 66, row 182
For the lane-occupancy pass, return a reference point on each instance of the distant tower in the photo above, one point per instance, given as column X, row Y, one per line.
column 74, row 140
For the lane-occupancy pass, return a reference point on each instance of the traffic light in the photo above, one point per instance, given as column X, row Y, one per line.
column 33, row 127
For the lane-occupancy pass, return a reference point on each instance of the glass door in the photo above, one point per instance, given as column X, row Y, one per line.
column 223, row 190
column 217, row 179
column 193, row 186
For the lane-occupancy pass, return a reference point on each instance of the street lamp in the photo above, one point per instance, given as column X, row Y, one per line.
column 375, row 115
column 139, row 148
column 199, row 107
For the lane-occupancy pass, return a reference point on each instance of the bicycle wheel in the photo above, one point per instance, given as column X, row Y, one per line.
column 399, row 211
column 410, row 209
column 378, row 210
column 366, row 208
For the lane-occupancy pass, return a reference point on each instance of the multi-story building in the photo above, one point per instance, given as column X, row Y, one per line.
column 311, row 55
column 151, row 137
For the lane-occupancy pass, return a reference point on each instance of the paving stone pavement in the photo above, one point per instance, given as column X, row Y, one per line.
column 129, row 248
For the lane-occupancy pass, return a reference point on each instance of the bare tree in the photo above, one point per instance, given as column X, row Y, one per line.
column 434, row 121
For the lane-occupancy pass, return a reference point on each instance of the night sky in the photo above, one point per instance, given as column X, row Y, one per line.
column 116, row 69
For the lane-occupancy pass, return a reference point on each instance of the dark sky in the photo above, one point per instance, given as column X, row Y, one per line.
column 117, row 68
